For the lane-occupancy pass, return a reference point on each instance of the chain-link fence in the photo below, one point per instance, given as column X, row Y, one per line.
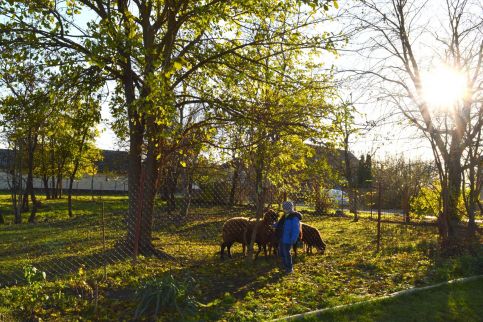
column 181, row 215
column 102, row 231
column 167, row 217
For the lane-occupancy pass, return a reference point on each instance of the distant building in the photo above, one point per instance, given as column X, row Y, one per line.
column 335, row 157
column 112, row 170
column 111, row 175
column 5, row 157
column 113, row 162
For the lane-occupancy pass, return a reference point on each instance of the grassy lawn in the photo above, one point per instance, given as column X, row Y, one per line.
column 87, row 279
column 453, row 302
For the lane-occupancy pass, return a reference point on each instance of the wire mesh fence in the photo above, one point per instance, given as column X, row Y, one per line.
column 175, row 217
column 188, row 214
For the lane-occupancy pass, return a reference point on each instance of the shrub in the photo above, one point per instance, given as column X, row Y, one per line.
column 323, row 203
column 428, row 202
column 164, row 295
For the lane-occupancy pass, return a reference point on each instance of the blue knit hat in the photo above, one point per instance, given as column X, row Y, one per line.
column 287, row 206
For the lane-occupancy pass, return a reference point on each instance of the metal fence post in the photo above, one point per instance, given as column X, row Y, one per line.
column 138, row 216
column 379, row 201
column 104, row 241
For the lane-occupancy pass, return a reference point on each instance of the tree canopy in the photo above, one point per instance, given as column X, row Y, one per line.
column 162, row 57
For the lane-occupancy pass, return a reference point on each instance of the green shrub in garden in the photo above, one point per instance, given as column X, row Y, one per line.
column 165, row 295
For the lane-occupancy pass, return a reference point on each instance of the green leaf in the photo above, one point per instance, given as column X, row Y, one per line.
column 177, row 65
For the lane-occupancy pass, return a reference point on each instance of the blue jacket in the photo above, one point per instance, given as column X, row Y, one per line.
column 291, row 228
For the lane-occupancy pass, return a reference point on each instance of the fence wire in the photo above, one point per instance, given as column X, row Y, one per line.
column 111, row 225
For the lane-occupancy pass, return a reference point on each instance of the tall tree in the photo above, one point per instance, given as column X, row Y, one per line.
column 344, row 124
column 149, row 48
column 404, row 180
column 396, row 32
column 83, row 117
column 472, row 178
column 276, row 104
column 24, row 112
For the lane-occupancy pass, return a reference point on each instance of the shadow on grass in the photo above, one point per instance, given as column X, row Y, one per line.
column 428, row 248
column 203, row 231
column 63, row 266
column 47, row 238
column 236, row 279
column 456, row 302
column 197, row 211
column 202, row 225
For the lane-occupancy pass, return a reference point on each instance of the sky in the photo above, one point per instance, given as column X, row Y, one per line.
column 389, row 138
column 107, row 140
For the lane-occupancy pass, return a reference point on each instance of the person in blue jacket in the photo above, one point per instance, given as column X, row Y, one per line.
column 288, row 229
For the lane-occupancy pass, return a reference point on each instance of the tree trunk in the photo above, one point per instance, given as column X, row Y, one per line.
column 69, row 195
column 54, row 190
column 143, row 129
column 30, row 179
column 449, row 222
column 260, row 195
column 45, row 181
column 168, row 186
column 92, row 187
column 350, row 180
column 134, row 179
column 405, row 204
column 187, row 193
column 472, row 227
column 163, row 189
column 43, row 168
column 74, row 171
column 135, row 175
column 354, row 204
column 379, row 201
column 171, row 189
column 17, row 209
column 151, row 175
column 17, row 187
column 25, row 198
column 33, row 213
column 59, row 186
column 54, row 194
column 234, row 181
column 474, row 176
column 319, row 206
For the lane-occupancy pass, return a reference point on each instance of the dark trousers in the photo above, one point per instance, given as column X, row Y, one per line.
column 286, row 257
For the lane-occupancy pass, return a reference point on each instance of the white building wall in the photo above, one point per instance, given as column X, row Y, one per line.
column 97, row 182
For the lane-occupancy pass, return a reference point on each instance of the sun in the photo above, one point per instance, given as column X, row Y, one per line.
column 443, row 88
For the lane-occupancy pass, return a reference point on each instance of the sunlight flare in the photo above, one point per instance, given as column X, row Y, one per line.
column 443, row 87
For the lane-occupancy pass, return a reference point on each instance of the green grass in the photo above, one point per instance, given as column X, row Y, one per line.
column 232, row 290
column 454, row 302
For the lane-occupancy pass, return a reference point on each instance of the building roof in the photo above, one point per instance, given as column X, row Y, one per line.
column 112, row 161
column 335, row 157
column 117, row 161
column 5, row 156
